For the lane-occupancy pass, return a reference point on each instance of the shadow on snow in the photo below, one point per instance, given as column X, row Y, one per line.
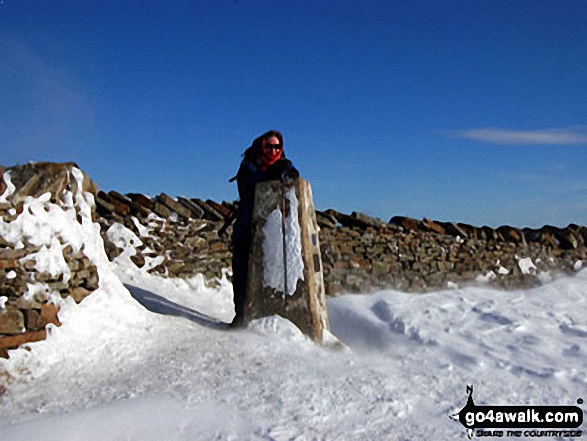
column 160, row 305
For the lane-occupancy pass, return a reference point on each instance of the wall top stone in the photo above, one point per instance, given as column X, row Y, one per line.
column 36, row 179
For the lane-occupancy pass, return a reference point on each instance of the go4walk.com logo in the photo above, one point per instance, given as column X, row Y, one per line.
column 517, row 421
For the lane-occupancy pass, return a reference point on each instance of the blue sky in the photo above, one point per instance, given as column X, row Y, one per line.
column 469, row 111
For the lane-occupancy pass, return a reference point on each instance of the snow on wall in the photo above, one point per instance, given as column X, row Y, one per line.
column 273, row 259
column 126, row 239
column 49, row 259
column 53, row 227
column 9, row 188
column 526, row 265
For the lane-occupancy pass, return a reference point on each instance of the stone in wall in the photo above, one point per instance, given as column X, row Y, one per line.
column 432, row 226
column 209, row 211
column 136, row 208
column 196, row 211
column 108, row 204
column 185, row 248
column 452, row 229
column 406, row 223
column 511, row 234
column 356, row 219
column 184, row 234
column 142, row 200
column 174, row 206
column 325, row 220
column 222, row 209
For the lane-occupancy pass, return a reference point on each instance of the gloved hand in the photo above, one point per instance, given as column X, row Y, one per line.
column 289, row 174
column 286, row 176
column 284, row 171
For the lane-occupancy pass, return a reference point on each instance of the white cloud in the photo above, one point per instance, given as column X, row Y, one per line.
column 565, row 136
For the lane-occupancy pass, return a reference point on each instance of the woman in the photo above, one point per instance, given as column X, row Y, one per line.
column 264, row 160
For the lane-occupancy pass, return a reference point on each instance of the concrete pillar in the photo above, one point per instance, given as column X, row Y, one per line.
column 290, row 283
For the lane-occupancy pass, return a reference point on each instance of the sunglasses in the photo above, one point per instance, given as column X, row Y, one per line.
column 273, row 146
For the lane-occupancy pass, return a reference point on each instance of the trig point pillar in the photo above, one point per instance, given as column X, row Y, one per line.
column 285, row 267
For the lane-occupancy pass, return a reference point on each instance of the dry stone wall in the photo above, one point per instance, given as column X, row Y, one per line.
column 359, row 259
column 359, row 253
column 27, row 284
column 181, row 234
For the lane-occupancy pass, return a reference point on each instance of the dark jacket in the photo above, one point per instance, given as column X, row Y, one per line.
column 249, row 174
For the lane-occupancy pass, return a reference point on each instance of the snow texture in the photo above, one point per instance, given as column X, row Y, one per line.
column 9, row 188
column 278, row 326
column 143, row 230
column 136, row 361
column 273, row 248
column 501, row 269
column 486, row 278
column 49, row 259
column 124, row 238
column 526, row 265
column 128, row 241
column 52, row 228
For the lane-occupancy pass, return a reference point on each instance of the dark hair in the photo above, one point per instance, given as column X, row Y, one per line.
column 270, row 134
column 254, row 151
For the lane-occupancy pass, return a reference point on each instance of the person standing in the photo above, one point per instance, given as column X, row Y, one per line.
column 264, row 160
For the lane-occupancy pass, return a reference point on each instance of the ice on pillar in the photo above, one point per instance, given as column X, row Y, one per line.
column 285, row 267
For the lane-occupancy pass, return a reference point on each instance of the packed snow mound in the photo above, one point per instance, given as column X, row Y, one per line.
column 279, row 327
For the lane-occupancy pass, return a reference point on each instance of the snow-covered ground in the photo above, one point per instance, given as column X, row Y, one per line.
column 143, row 359
column 116, row 370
